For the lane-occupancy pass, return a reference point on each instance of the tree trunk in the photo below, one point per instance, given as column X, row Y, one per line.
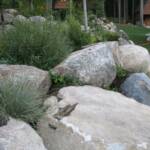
column 114, row 10
column 133, row 11
column 119, row 10
column 85, row 15
column 125, row 11
column 31, row 5
column 1, row 11
column 142, row 12
column 70, row 7
column 13, row 3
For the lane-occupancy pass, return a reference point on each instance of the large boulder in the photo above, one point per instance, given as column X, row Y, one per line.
column 114, row 46
column 91, row 118
column 8, row 18
column 8, row 15
column 137, row 86
column 93, row 65
column 133, row 58
column 35, row 76
column 17, row 135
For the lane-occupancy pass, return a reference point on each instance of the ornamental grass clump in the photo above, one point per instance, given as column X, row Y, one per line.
column 21, row 100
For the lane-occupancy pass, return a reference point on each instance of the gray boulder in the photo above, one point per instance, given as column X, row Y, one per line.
column 18, row 135
column 20, row 18
column 137, row 86
column 133, row 58
column 91, row 118
column 93, row 65
column 8, row 18
column 11, row 11
column 35, row 76
column 114, row 46
column 123, row 41
column 8, row 15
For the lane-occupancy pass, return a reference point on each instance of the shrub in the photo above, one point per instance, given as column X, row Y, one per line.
column 41, row 45
column 103, row 35
column 19, row 99
column 77, row 36
column 110, row 36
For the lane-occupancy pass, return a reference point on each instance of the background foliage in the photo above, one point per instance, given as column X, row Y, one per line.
column 41, row 45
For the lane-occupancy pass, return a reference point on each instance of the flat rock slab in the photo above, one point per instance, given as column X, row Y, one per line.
column 101, row 120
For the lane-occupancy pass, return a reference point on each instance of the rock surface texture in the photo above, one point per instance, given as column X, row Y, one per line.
column 37, row 77
column 20, row 18
column 8, row 16
column 92, row 118
column 133, row 58
column 137, row 86
column 93, row 65
column 17, row 135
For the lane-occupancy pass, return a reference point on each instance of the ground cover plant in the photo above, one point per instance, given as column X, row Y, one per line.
column 121, row 75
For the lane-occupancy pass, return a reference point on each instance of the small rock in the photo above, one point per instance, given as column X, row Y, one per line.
column 124, row 35
column 37, row 19
column 52, row 104
column 123, row 41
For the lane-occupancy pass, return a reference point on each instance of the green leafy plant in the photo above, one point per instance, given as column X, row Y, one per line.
column 43, row 45
column 121, row 73
column 120, row 77
column 110, row 36
column 19, row 99
column 59, row 81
